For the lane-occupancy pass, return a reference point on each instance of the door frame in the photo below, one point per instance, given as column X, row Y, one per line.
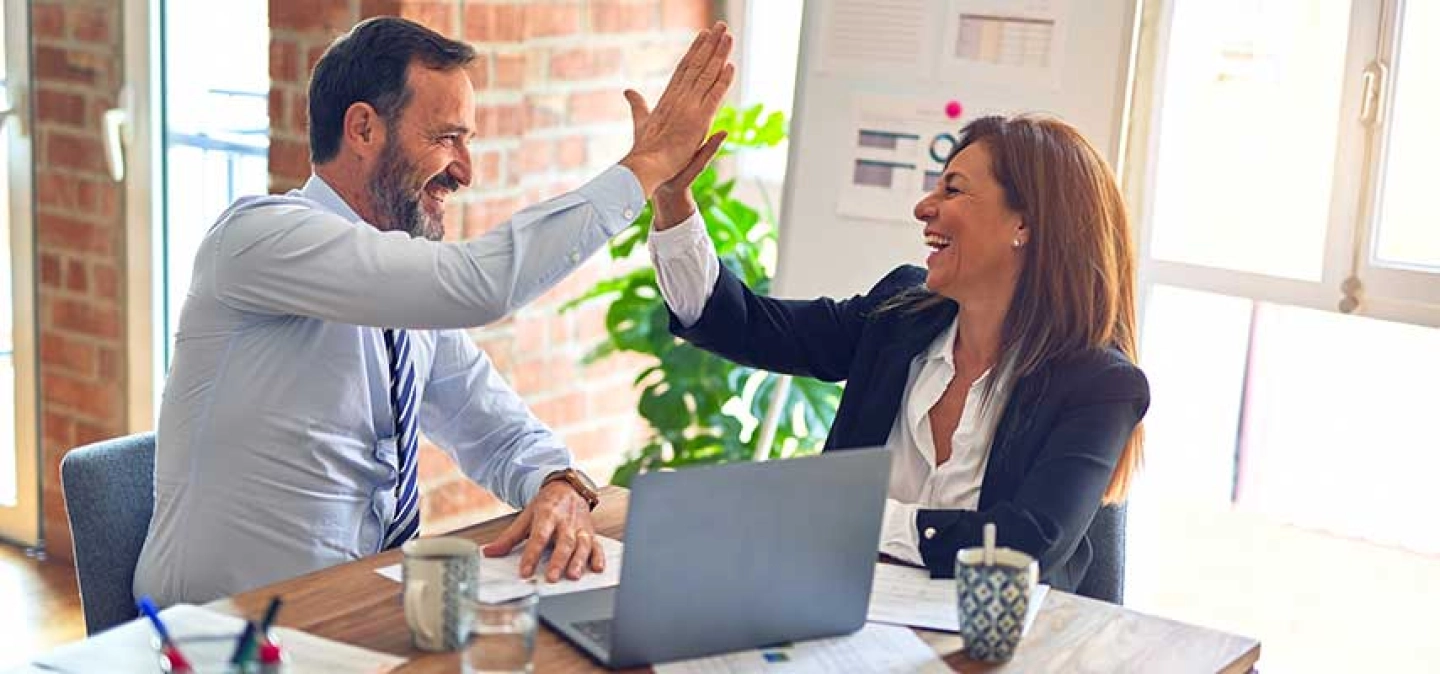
column 21, row 523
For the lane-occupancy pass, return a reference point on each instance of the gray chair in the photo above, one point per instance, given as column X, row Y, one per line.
column 109, row 497
column 1105, row 579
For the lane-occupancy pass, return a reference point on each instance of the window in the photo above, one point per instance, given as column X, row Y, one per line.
column 1291, row 281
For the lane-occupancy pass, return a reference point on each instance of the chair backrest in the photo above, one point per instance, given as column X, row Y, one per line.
column 109, row 496
column 1105, row 579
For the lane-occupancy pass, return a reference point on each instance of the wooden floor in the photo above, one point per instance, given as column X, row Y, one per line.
column 42, row 606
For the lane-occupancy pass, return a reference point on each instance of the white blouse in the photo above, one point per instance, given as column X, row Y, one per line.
column 687, row 270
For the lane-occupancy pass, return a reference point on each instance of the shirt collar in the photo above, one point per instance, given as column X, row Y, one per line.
column 319, row 191
column 943, row 346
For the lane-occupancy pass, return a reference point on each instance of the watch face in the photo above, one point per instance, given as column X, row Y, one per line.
column 585, row 480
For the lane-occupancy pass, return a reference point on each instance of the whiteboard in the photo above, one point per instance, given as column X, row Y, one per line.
column 878, row 80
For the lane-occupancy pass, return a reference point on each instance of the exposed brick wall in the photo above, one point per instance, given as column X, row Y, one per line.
column 550, row 115
column 80, row 239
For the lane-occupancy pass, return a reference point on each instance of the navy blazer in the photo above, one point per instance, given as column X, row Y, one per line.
column 1056, row 446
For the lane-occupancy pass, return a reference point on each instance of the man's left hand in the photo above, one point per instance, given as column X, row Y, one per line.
column 558, row 516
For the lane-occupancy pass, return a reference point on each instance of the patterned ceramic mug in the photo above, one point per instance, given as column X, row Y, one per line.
column 992, row 600
column 440, row 580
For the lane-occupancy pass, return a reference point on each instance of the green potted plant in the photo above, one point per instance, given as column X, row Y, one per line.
column 701, row 408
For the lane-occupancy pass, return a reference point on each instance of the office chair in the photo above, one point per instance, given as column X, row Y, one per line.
column 1105, row 579
column 109, row 496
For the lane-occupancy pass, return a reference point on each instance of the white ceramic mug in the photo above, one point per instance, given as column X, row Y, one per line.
column 440, row 575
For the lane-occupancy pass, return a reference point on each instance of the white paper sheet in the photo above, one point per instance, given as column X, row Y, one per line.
column 132, row 647
column 1011, row 42
column 904, row 595
column 877, row 36
column 508, row 567
column 875, row 648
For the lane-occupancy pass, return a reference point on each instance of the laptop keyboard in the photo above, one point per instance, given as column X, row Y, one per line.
column 597, row 630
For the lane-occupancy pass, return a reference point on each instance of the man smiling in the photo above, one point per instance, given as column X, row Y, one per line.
column 322, row 331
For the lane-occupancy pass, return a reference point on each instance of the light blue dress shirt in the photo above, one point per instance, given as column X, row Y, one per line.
column 276, row 449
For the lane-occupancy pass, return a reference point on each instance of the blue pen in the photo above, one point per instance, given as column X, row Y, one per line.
column 243, row 647
column 178, row 663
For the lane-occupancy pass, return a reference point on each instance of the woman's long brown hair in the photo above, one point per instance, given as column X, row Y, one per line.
column 1076, row 291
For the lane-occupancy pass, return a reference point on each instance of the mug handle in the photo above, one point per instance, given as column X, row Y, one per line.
column 413, row 610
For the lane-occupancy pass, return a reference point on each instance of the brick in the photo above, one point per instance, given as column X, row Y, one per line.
column 322, row 16
column 509, row 71
column 595, row 442
column 57, row 429
column 435, row 465
column 56, row 191
column 537, row 155
column 482, row 216
column 107, row 281
column 47, row 21
column 289, row 158
column 531, row 330
column 562, row 330
column 87, row 433
column 689, row 14
column 92, row 23
column 50, row 270
column 589, row 107
column 653, row 60
column 57, row 232
column 76, row 277
column 486, row 167
column 479, row 71
column 585, row 63
column 553, row 20
column 68, row 354
column 440, row 17
column 285, row 60
column 499, row 121
column 94, row 401
column 493, row 23
column 614, row 400
column 570, row 152
column 109, row 364
column 71, row 66
column 456, row 504
column 312, row 56
column 560, row 411
column 84, row 318
column 622, row 16
column 544, row 111
column 60, row 107
column 73, row 151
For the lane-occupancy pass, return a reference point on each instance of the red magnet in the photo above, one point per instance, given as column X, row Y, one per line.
column 953, row 109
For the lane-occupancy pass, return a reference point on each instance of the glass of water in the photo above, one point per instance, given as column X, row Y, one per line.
column 502, row 637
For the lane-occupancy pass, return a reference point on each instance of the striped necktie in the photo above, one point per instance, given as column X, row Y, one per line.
column 403, row 401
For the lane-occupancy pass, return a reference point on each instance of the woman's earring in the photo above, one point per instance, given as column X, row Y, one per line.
column 1016, row 242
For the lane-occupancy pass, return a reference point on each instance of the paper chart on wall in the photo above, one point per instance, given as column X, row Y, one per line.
column 884, row 37
column 1009, row 42
column 898, row 151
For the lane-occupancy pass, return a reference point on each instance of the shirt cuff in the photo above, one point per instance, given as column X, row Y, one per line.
column 680, row 240
column 617, row 195
column 536, row 479
column 898, row 537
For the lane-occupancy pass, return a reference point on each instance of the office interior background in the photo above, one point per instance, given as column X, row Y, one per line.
column 1274, row 162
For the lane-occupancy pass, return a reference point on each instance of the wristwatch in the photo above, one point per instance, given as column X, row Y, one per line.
column 582, row 484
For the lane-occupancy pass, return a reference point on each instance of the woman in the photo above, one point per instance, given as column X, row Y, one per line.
column 1001, row 376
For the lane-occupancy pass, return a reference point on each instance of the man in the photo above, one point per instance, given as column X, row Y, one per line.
column 321, row 331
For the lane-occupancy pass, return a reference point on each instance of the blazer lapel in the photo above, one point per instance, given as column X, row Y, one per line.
column 883, row 393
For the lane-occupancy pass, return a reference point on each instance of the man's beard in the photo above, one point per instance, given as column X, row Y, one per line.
column 397, row 204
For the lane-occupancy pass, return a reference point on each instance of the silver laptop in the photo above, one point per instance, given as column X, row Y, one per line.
column 733, row 557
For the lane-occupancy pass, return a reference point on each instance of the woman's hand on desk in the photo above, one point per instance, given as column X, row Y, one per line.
column 557, row 516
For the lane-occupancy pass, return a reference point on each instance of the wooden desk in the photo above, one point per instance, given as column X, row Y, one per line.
column 353, row 604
